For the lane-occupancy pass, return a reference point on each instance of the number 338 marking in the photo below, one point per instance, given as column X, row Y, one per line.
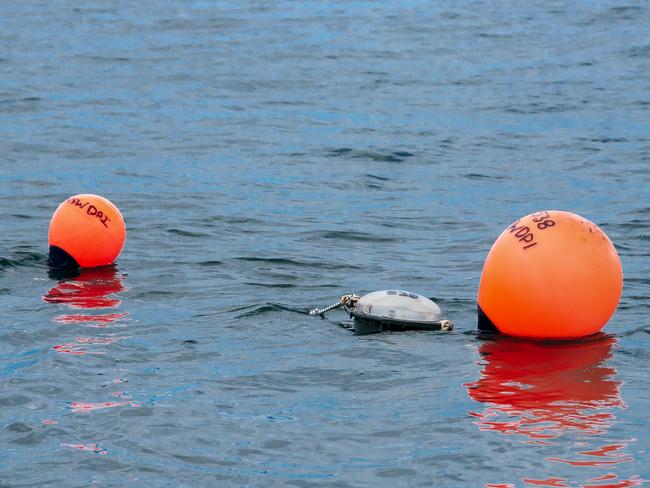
column 542, row 219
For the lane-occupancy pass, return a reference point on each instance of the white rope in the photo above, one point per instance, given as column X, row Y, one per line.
column 345, row 301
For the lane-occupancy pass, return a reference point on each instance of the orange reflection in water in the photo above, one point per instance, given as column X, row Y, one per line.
column 546, row 389
column 86, row 447
column 78, row 347
column 542, row 391
column 555, row 482
column 79, row 407
column 91, row 294
column 629, row 483
column 91, row 289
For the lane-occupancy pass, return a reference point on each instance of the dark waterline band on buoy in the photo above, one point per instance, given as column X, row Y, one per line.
column 58, row 259
column 484, row 324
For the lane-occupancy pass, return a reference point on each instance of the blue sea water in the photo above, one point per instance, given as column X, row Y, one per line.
column 269, row 157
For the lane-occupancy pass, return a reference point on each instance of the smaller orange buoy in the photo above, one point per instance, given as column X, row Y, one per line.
column 550, row 275
column 85, row 231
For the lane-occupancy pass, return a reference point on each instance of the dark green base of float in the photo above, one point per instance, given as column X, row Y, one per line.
column 375, row 326
column 484, row 324
column 60, row 260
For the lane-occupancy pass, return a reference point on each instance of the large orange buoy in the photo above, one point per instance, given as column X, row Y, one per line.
column 552, row 275
column 85, row 231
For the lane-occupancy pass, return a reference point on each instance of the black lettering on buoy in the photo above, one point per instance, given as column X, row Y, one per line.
column 527, row 238
column 514, row 227
column 545, row 223
column 77, row 203
column 543, row 220
column 523, row 234
column 91, row 210
column 522, row 231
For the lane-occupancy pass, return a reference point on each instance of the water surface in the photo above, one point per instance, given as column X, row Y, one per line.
column 271, row 157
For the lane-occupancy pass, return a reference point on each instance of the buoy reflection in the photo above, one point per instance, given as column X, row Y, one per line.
column 91, row 289
column 80, row 407
column 86, row 447
column 546, row 389
column 93, row 296
column 541, row 391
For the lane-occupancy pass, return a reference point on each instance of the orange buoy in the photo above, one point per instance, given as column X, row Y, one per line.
column 85, row 231
column 550, row 275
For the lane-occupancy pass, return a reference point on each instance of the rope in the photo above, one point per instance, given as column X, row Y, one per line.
column 345, row 301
